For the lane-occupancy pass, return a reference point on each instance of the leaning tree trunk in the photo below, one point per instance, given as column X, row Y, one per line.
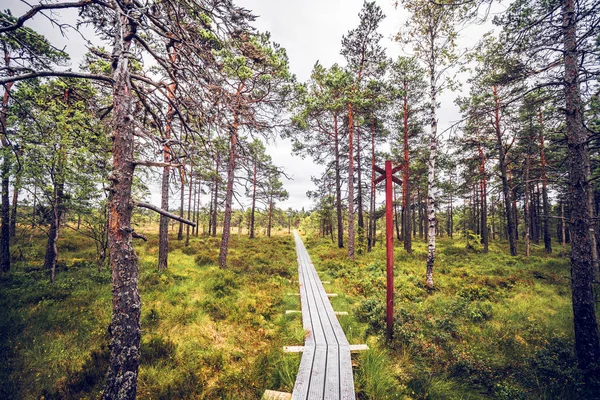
column 121, row 379
column 587, row 341
column 338, row 184
column 228, row 198
column 431, row 217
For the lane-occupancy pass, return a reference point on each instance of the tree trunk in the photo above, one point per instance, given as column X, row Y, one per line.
column 163, row 230
column 5, row 175
column 361, row 220
column 13, row 210
column 483, row 190
column 338, row 184
column 587, row 341
column 406, row 178
column 228, row 197
column 371, row 235
column 182, row 201
column 270, row 221
column 511, row 228
column 563, row 230
column 189, row 210
column 431, row 217
column 215, row 207
column 526, row 207
column 350, row 183
column 121, row 379
column 253, row 203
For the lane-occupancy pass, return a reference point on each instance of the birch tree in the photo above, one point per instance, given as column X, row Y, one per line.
column 431, row 32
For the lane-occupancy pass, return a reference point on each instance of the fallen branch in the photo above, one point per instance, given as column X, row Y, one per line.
column 165, row 213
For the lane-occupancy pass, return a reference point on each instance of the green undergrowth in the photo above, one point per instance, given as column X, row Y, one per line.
column 207, row 333
column 495, row 326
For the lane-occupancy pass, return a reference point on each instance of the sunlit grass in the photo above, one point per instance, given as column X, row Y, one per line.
column 484, row 332
column 206, row 333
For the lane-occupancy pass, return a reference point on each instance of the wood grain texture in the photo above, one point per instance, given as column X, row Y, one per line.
column 325, row 371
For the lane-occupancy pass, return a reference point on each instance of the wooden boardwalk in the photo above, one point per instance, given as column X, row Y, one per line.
column 326, row 368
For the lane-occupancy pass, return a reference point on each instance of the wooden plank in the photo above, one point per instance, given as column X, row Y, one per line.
column 325, row 369
column 273, row 395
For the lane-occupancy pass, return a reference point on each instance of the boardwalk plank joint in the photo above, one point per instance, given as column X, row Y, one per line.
column 326, row 367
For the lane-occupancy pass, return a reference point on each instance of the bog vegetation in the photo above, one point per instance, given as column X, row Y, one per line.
column 105, row 294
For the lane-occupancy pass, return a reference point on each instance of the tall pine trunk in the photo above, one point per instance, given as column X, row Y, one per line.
column 163, row 230
column 510, row 221
column 371, row 235
column 350, row 182
column 215, row 206
column 5, row 176
column 270, row 221
column 182, row 201
column 359, row 197
column 253, row 209
column 406, row 177
column 587, row 341
column 228, row 196
column 121, row 378
column 189, row 210
column 483, row 193
column 338, row 184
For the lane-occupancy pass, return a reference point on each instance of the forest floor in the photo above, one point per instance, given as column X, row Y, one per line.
column 495, row 327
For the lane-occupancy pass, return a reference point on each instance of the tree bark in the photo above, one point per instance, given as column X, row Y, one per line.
column 121, row 379
column 350, row 182
column 406, row 177
column 163, row 230
column 228, row 197
column 338, row 183
column 511, row 228
column 431, row 217
column 587, row 341
column 253, row 209
column 483, row 193
column 5, row 176
column 371, row 235
column 13, row 210
column 215, row 207
column 361, row 220
column 182, row 202
column 189, row 210
column 527, row 207
column 270, row 221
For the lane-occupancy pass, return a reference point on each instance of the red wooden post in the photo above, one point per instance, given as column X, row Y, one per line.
column 389, row 245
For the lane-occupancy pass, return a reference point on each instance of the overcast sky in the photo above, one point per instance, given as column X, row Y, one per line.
column 310, row 31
